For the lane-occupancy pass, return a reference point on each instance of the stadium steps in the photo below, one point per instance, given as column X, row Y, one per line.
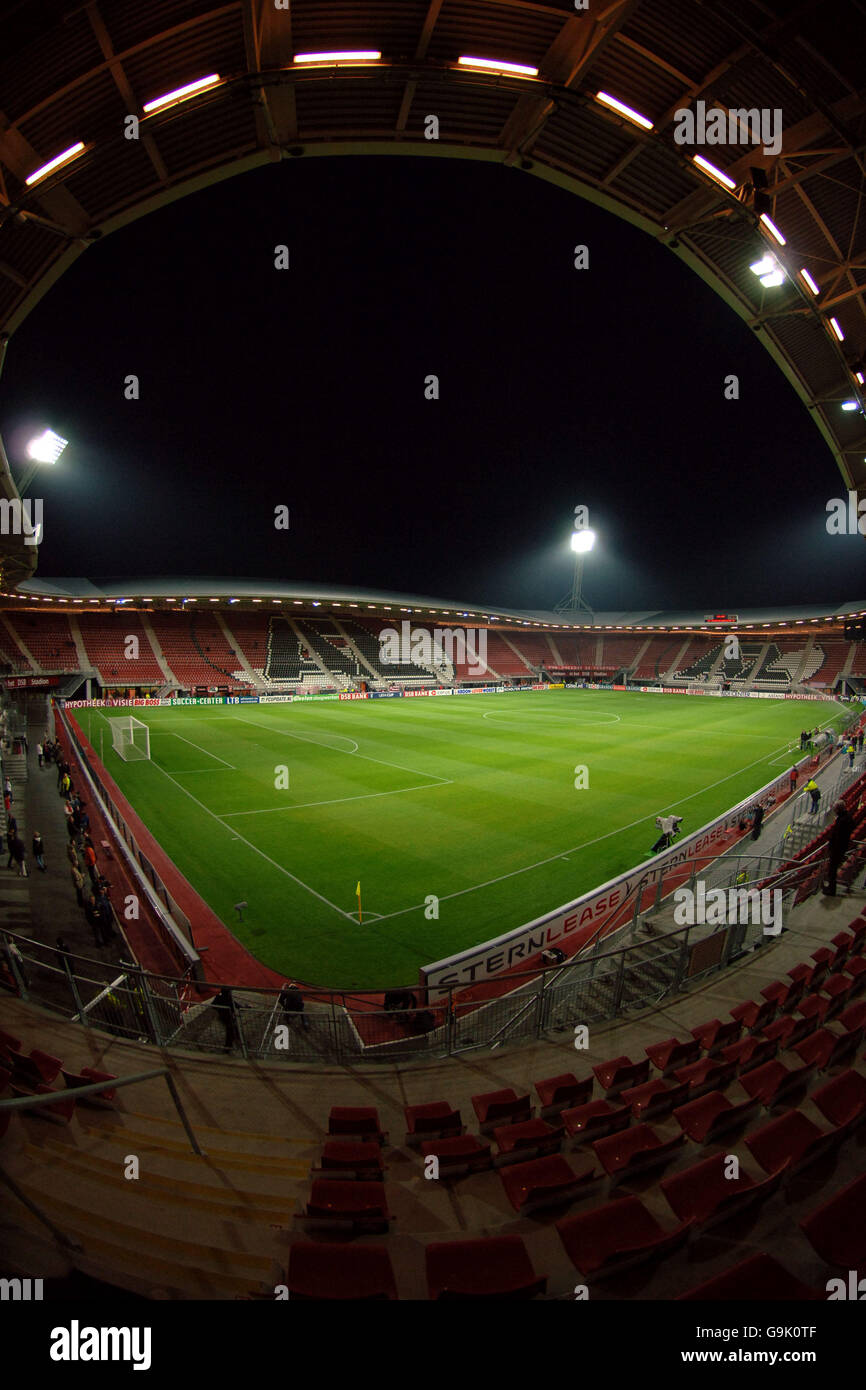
column 757, row 666
column 519, row 654
column 84, row 660
column 157, row 650
column 356, row 650
column 19, row 646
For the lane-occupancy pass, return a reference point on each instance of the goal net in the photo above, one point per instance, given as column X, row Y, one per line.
column 130, row 738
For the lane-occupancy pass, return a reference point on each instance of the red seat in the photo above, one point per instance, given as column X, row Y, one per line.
column 706, row 1075
column 773, row 1081
column 459, row 1154
column 814, row 1007
column 843, row 1100
column 759, row 1279
column 530, row 1138
column 705, row 1194
column 38, row 1066
column 60, row 1112
column 715, row 1035
column 103, row 1100
column 754, row 1016
column 615, row 1236
column 837, row 1230
column 8, row 1042
column 669, row 1055
column 839, row 988
column 596, row 1118
column 635, row 1149
column 856, row 968
column 336, row 1272
column 711, row 1115
column 495, row 1267
column 783, row 993
column 811, row 975
column 787, row 1030
column 654, row 1099
column 543, row 1182
column 750, row 1052
column 356, row 1120
column 348, row 1201
column 559, row 1093
column 431, row 1121
column 614, row 1076
column 347, row 1156
column 853, row 1017
column 831, row 958
column 501, row 1107
column 791, row 1142
column 825, row 1049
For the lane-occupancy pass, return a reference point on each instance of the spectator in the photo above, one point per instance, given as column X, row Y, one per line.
column 224, row 1005
column 10, row 840
column 850, row 750
column 840, row 838
column 38, row 848
column 860, row 742
column 292, row 1005
column 40, row 753
column 78, row 883
column 793, row 776
column 815, row 793
column 757, row 820
column 19, row 854
column 72, row 853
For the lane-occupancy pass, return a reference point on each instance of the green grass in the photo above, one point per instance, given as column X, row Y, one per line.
column 468, row 799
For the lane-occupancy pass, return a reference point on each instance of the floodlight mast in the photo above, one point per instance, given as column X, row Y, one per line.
column 582, row 542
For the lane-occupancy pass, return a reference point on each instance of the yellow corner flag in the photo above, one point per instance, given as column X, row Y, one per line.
column 358, row 895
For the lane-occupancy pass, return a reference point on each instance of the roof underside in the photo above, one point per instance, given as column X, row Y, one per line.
column 78, row 76
column 178, row 592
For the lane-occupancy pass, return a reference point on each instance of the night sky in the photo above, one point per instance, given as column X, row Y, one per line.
column 306, row 388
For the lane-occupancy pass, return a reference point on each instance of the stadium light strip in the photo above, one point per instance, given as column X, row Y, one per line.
column 713, row 172
column 180, row 94
column 809, row 281
column 65, row 158
column 607, row 100
column 834, row 324
column 495, row 65
column 773, row 229
column 361, row 55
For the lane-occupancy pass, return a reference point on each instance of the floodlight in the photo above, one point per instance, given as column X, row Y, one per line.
column 497, row 65
column 582, row 541
column 775, row 277
column 45, row 169
column 772, row 228
column 368, row 55
column 634, row 116
column 180, row 94
column 46, row 447
column 850, row 405
column 765, row 265
column 834, row 324
column 713, row 172
column 809, row 281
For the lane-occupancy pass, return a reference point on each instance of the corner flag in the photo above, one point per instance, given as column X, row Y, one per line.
column 358, row 895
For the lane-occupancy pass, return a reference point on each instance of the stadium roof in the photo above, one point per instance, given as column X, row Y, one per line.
column 75, row 77
column 392, row 608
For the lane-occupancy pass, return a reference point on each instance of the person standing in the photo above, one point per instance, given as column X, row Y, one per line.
column 757, row 820
column 292, row 1005
column 815, row 793
column 224, row 1005
column 840, row 838
column 38, row 848
column 860, row 742
column 40, row 753
column 19, row 854
column 78, row 883
column 850, row 750
column 793, row 776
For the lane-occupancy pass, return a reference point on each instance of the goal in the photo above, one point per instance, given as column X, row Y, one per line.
column 130, row 738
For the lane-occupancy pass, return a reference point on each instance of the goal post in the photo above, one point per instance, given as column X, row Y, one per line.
column 130, row 738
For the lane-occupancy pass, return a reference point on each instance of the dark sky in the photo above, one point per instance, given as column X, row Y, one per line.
column 306, row 388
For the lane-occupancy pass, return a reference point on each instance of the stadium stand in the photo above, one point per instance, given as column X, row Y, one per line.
column 834, row 652
column 48, row 639
column 657, row 658
column 105, row 642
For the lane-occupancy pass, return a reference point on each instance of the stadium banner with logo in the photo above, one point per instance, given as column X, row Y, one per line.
column 210, row 699
column 608, row 907
column 112, row 704
column 276, row 699
column 354, row 695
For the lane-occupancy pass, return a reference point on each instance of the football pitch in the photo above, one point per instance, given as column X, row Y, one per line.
column 468, row 801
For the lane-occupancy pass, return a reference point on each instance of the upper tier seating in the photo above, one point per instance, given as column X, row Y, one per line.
column 105, row 637
column 48, row 639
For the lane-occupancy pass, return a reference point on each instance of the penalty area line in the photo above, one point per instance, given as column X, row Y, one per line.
column 336, row 801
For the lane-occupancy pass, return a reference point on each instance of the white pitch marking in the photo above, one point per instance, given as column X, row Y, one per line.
column 172, row 734
column 247, row 842
column 416, row 771
column 336, row 801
